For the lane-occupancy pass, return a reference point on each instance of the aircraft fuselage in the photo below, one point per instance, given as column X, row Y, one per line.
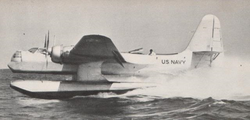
column 136, row 65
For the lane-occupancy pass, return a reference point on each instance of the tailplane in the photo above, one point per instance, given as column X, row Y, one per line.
column 206, row 43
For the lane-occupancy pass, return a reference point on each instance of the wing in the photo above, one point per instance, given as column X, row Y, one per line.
column 92, row 48
column 89, row 53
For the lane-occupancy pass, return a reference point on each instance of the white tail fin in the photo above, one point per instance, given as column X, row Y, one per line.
column 207, row 36
column 206, row 43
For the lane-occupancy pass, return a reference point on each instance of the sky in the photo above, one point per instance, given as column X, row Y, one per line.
column 167, row 26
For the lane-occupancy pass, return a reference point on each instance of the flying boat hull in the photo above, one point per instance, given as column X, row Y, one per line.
column 97, row 65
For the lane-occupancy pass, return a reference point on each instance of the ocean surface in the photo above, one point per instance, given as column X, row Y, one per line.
column 216, row 93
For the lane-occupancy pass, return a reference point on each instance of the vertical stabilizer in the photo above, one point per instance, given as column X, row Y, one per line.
column 206, row 43
column 207, row 36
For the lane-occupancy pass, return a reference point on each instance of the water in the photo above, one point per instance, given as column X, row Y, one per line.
column 220, row 92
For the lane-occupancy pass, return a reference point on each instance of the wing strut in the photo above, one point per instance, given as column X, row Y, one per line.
column 199, row 61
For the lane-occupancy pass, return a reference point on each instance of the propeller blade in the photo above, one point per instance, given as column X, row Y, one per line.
column 45, row 44
column 47, row 47
column 46, row 60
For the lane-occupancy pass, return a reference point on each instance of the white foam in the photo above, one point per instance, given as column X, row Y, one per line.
column 228, row 78
column 34, row 101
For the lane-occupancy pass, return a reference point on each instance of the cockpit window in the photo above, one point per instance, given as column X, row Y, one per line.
column 42, row 50
column 38, row 50
column 33, row 50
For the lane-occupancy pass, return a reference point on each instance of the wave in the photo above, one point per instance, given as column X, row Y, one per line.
column 27, row 101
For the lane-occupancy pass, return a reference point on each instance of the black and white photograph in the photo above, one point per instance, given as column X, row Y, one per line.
column 125, row 59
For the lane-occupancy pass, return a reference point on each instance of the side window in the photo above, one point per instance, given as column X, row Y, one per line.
column 33, row 50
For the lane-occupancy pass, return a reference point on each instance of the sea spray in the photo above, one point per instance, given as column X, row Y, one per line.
column 227, row 78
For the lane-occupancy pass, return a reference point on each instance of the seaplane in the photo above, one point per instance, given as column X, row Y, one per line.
column 97, row 66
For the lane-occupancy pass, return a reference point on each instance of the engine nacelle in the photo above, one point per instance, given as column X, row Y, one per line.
column 56, row 53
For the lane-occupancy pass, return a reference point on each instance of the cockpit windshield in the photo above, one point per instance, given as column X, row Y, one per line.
column 33, row 50
column 39, row 50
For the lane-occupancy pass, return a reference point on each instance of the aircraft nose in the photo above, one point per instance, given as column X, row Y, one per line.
column 17, row 57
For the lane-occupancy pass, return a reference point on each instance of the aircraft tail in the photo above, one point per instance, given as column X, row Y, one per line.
column 206, row 43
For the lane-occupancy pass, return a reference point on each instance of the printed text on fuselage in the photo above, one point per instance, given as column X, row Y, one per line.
column 173, row 61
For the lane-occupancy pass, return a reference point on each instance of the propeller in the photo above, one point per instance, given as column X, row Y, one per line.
column 46, row 46
column 45, row 43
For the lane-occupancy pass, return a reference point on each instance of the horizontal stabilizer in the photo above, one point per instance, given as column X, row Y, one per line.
column 205, row 58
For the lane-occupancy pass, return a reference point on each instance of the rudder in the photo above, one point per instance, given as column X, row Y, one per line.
column 206, row 43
